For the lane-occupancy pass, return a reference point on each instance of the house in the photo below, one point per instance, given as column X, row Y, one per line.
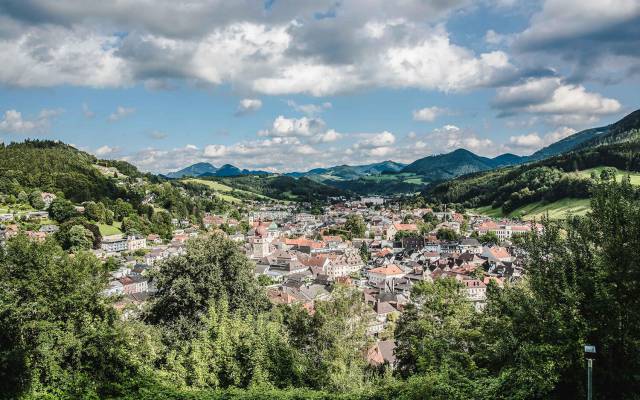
column 49, row 228
column 385, row 274
column 397, row 227
column 382, row 353
column 35, row 215
column 133, row 284
column 136, row 243
column 113, row 244
column 115, row 288
column 6, row 217
column 476, row 291
column 154, row 238
column 496, row 254
column 47, row 198
column 470, row 245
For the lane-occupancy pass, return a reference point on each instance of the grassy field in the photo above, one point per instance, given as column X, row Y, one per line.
column 635, row 176
column 107, row 230
column 556, row 210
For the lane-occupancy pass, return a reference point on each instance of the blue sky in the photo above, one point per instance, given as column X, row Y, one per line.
column 293, row 85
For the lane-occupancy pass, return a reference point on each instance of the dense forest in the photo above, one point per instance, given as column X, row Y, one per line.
column 281, row 187
column 210, row 332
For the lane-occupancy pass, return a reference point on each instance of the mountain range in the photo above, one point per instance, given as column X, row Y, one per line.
column 206, row 169
column 389, row 175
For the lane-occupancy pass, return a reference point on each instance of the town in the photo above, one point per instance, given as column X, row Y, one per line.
column 371, row 244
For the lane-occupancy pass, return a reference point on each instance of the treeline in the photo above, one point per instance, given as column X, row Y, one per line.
column 282, row 187
column 210, row 332
column 548, row 180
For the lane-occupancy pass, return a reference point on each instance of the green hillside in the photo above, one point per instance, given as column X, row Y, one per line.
column 278, row 187
column 554, row 210
column 55, row 167
column 546, row 181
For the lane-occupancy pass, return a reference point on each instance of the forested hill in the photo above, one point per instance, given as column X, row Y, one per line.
column 550, row 180
column 57, row 167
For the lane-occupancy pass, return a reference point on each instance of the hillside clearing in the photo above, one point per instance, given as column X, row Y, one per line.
column 634, row 176
column 555, row 210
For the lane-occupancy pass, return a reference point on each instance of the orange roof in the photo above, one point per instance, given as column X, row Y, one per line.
column 384, row 252
column 302, row 241
column 390, row 269
column 406, row 227
column 499, row 252
column 333, row 238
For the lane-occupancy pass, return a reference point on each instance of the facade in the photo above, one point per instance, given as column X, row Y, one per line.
column 136, row 243
column 114, row 245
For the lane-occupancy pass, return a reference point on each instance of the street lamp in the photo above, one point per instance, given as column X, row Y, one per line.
column 589, row 351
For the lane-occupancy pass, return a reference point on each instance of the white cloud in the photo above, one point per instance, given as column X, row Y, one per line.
column 373, row 140
column 531, row 140
column 248, row 105
column 120, row 113
column 428, row 114
column 528, row 143
column 276, row 55
column 558, row 101
column 105, row 150
column 329, row 136
column 305, row 126
column 14, row 122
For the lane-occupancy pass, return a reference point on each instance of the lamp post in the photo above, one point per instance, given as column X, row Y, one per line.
column 590, row 352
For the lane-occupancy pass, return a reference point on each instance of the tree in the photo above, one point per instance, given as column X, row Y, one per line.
column 580, row 288
column 355, row 224
column 80, row 238
column 489, row 238
column 61, row 210
column 122, row 209
column 94, row 211
column 608, row 173
column 332, row 340
column 23, row 197
column 364, row 252
column 446, row 234
column 436, row 330
column 60, row 337
column 213, row 268
column 35, row 199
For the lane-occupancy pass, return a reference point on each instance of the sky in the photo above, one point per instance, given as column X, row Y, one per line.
column 290, row 85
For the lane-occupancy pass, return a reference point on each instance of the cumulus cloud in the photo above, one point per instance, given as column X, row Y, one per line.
column 106, row 150
column 120, row 113
column 429, row 114
column 247, row 106
column 451, row 137
column 363, row 44
column 586, row 34
column 560, row 102
column 528, row 143
column 14, row 122
column 304, row 126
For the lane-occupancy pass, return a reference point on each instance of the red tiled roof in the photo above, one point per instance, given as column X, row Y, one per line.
column 390, row 269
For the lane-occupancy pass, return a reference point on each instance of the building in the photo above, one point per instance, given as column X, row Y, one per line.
column 375, row 201
column 383, row 275
column 136, row 243
column 114, row 244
